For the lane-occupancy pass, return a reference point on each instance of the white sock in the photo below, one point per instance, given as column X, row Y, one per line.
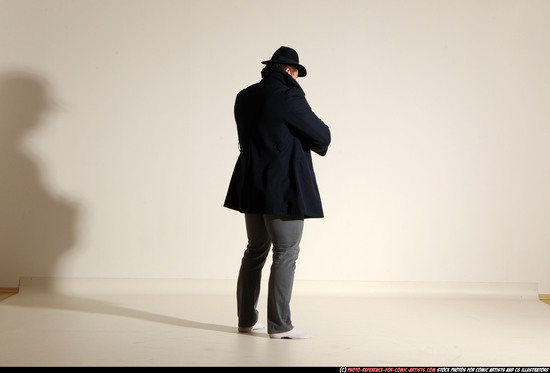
column 256, row 326
column 291, row 334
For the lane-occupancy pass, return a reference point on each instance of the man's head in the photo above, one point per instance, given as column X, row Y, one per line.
column 287, row 59
column 291, row 70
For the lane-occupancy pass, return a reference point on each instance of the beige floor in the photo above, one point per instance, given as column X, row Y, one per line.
column 125, row 328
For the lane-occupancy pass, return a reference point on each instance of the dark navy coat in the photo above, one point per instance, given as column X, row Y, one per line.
column 277, row 131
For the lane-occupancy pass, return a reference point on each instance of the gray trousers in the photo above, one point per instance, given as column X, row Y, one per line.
column 284, row 233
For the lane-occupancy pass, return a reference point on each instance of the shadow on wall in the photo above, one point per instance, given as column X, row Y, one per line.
column 36, row 227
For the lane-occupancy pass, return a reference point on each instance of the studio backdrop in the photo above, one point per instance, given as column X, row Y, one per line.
column 118, row 139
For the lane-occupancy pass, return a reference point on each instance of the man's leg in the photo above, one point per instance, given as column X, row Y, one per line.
column 285, row 233
column 250, row 273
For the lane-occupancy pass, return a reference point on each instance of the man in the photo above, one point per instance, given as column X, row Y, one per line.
column 274, row 185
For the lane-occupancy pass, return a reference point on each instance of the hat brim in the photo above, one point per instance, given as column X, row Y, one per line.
column 301, row 69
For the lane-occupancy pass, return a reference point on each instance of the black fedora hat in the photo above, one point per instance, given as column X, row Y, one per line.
column 287, row 56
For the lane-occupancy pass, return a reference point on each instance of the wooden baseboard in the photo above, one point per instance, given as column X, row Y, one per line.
column 9, row 290
column 544, row 296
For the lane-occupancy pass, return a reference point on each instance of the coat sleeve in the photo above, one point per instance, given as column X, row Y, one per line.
column 303, row 122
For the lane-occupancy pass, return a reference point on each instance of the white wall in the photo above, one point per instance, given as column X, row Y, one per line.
column 118, row 137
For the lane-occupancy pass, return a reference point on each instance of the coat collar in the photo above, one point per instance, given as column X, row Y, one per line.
column 280, row 76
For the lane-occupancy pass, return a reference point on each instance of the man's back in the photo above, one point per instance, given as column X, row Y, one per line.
column 277, row 130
